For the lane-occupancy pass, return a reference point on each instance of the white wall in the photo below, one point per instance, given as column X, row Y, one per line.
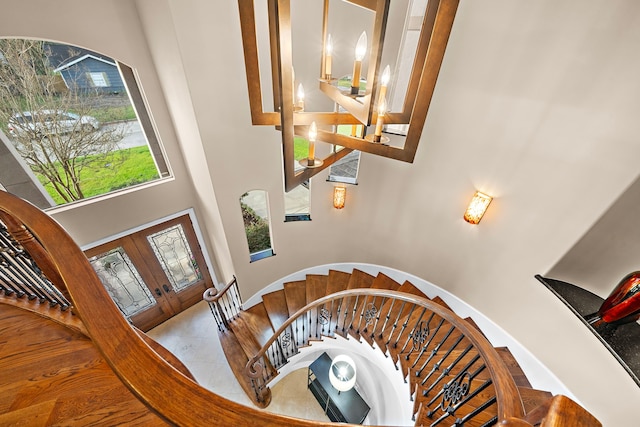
column 536, row 104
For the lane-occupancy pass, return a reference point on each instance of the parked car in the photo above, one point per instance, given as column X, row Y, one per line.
column 50, row 122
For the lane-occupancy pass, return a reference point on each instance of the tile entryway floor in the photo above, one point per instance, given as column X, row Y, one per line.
column 192, row 337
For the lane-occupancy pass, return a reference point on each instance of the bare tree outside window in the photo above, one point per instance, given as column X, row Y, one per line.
column 65, row 126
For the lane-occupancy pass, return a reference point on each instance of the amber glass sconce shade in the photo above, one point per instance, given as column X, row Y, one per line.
column 339, row 196
column 477, row 207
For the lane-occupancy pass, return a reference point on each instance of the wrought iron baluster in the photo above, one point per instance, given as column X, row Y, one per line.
column 270, row 355
column 295, row 333
column 339, row 308
column 325, row 320
column 434, row 351
column 387, row 317
column 418, row 333
column 235, row 299
column 23, row 277
column 375, row 324
column 14, row 281
column 450, row 367
column 479, row 410
column 216, row 316
column 345, row 304
column 458, row 397
column 404, row 325
column 364, row 307
column 26, row 279
column 353, row 313
column 304, row 335
column 5, row 283
column 456, row 380
column 226, row 308
column 35, row 278
column 436, row 365
column 395, row 323
column 426, row 345
column 287, row 344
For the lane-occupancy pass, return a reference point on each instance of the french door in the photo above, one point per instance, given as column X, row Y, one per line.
column 155, row 273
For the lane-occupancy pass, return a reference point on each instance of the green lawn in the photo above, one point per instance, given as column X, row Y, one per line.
column 114, row 114
column 300, row 148
column 120, row 169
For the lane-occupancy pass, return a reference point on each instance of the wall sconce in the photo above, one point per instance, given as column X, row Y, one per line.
column 477, row 207
column 339, row 195
column 342, row 373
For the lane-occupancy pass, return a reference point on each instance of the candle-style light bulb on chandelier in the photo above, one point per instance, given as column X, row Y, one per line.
column 384, row 112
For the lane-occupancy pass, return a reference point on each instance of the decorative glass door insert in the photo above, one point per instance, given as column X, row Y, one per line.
column 178, row 263
column 155, row 273
column 123, row 282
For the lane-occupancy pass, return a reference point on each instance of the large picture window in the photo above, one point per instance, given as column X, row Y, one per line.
column 74, row 125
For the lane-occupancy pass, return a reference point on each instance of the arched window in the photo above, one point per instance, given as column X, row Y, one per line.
column 297, row 203
column 254, row 205
column 74, row 125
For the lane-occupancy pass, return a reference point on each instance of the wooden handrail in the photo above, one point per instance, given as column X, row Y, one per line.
column 213, row 294
column 171, row 394
column 165, row 390
column 225, row 304
column 508, row 398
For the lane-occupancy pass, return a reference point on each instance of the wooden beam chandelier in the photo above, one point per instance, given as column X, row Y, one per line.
column 356, row 112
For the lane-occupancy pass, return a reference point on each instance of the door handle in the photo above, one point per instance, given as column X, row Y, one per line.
column 166, row 288
column 158, row 292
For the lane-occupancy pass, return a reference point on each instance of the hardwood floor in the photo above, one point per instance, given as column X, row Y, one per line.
column 52, row 375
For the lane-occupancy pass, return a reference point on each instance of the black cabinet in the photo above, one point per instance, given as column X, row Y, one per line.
column 344, row 407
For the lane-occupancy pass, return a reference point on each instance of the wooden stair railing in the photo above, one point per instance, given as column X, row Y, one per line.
column 163, row 389
column 139, row 364
column 475, row 388
column 225, row 304
column 28, row 270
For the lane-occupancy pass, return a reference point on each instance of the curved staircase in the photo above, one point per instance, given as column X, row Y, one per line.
column 67, row 333
column 433, row 354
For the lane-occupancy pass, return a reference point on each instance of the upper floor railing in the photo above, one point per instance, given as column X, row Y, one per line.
column 25, row 267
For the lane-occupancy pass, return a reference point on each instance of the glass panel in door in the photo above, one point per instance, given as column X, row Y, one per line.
column 174, row 254
column 155, row 273
column 122, row 281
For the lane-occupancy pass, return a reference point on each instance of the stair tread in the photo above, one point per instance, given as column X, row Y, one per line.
column 338, row 281
column 257, row 324
column 276, row 305
column 475, row 326
column 514, row 367
column 360, row 279
column 441, row 302
column 316, row 287
column 382, row 281
column 532, row 398
column 295, row 295
column 237, row 359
